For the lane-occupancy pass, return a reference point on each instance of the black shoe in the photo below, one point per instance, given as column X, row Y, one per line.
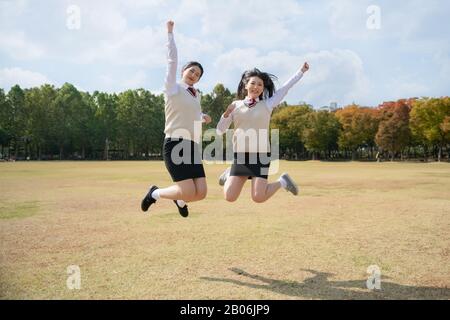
column 148, row 200
column 184, row 212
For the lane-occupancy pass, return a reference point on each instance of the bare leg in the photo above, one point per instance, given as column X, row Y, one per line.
column 183, row 190
column 262, row 191
column 200, row 188
column 233, row 187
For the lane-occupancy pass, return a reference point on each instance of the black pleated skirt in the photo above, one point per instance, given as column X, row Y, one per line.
column 251, row 165
column 183, row 159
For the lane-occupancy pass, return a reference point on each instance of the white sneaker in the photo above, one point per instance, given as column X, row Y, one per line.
column 291, row 186
column 223, row 177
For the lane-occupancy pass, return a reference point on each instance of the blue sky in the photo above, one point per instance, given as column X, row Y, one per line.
column 121, row 45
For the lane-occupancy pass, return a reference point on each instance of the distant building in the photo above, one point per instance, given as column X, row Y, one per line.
column 332, row 107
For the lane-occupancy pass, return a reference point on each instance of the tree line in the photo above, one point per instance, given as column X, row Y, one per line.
column 46, row 122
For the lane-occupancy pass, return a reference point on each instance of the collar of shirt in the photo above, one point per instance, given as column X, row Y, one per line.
column 184, row 85
column 247, row 101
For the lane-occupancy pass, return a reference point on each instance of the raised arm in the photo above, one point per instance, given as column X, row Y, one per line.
column 279, row 95
column 170, row 83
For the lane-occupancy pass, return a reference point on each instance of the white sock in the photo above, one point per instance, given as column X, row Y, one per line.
column 155, row 194
column 282, row 182
column 181, row 203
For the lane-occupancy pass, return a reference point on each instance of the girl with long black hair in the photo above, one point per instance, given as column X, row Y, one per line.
column 251, row 117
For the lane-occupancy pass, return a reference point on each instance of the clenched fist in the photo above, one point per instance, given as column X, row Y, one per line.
column 170, row 25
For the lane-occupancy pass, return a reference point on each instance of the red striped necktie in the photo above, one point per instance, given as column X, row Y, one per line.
column 192, row 91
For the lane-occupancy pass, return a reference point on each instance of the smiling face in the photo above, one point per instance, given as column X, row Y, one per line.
column 191, row 75
column 254, row 87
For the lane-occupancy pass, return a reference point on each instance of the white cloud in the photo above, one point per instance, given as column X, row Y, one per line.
column 402, row 86
column 106, row 82
column 145, row 47
column 347, row 19
column 101, row 17
column 11, row 9
column 144, row 4
column 248, row 23
column 25, row 78
column 402, row 22
column 134, row 80
column 230, row 65
column 190, row 48
column 335, row 75
column 123, row 43
column 442, row 59
column 137, row 80
column 19, row 47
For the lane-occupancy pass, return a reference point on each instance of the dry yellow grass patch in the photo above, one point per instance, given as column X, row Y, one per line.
column 315, row 246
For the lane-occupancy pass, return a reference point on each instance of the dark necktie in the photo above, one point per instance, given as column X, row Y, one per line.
column 192, row 91
column 250, row 102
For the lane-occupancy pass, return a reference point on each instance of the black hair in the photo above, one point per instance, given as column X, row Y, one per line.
column 193, row 63
column 267, row 78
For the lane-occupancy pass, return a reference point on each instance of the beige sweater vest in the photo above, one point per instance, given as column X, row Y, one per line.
column 183, row 116
column 251, row 127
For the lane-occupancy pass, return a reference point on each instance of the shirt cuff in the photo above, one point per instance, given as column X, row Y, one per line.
column 219, row 129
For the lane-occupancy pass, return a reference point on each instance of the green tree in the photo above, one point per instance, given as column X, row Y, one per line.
column 83, row 124
column 64, row 121
column 429, row 121
column 291, row 122
column 39, row 101
column 141, row 121
column 16, row 117
column 106, row 120
column 5, row 123
column 215, row 104
column 321, row 133
column 154, row 123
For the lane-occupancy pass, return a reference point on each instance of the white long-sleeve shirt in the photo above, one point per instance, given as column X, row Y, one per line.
column 270, row 103
column 170, row 83
column 182, row 110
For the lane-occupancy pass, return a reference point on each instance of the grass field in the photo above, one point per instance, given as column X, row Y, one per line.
column 315, row 246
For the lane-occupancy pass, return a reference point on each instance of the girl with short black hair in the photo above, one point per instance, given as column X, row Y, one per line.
column 183, row 120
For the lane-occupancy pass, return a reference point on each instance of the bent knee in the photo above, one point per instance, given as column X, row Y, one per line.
column 187, row 194
column 258, row 198
column 201, row 194
column 230, row 197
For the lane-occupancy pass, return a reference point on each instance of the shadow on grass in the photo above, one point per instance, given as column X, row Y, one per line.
column 320, row 287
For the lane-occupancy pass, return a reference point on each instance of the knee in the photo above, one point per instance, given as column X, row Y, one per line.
column 230, row 197
column 258, row 198
column 188, row 195
column 201, row 194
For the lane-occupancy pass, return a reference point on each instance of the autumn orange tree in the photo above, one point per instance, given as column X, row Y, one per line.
column 393, row 134
column 358, row 128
